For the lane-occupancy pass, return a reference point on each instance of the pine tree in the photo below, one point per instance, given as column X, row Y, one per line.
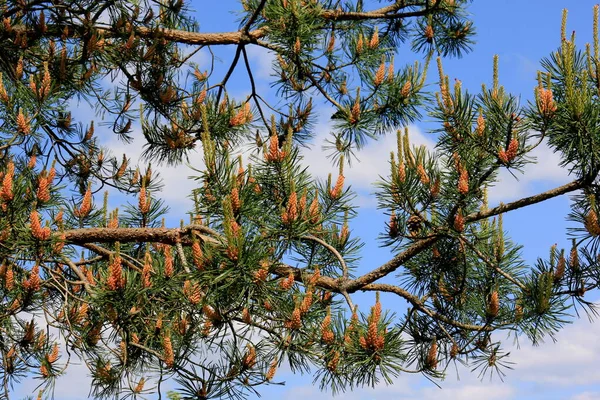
column 216, row 303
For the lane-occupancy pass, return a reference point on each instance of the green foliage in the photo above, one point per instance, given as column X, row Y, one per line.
column 263, row 274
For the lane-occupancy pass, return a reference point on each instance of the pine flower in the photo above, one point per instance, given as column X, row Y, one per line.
column 262, row 274
column 86, row 204
column 19, row 68
column 431, row 361
column 235, row 200
column 405, row 91
column 59, row 244
column 291, row 213
column 46, row 82
column 459, row 222
column 327, row 335
column 43, row 190
column 295, row 322
column 287, row 283
column 355, row 111
column 359, row 44
column 574, row 258
column 32, row 162
column 121, row 171
column 591, row 223
column 336, row 192
column 423, row 177
column 44, row 371
column 249, row 359
column 454, row 350
column 297, row 46
column 401, row 171
column 435, row 188
column 201, row 96
column 379, row 75
column 3, row 94
column 169, row 357
column 53, row 355
column 6, row 193
column 169, row 268
column 393, row 230
column 480, row 125
column 201, row 76
column 192, row 292
column 23, row 126
column 374, row 42
column 313, row 211
column 144, row 200
column 463, row 181
column 274, row 154
column 115, row 280
column 36, row 227
column 560, row 268
column 197, row 255
column 513, row 148
column 33, row 283
column 246, row 316
column 502, row 156
column 307, row 301
column 90, row 277
column 332, row 364
column 272, row 370
column 9, row 279
column 428, row 33
column 546, row 103
column 493, row 305
column 331, row 43
column 82, row 312
column 140, row 386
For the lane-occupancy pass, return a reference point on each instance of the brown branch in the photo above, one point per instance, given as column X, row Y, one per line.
column 417, row 304
column 526, row 201
column 392, row 265
column 107, row 253
column 127, row 235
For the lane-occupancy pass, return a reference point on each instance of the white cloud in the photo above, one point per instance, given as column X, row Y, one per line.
column 546, row 169
column 262, row 61
column 587, row 396
column 176, row 179
column 371, row 163
column 572, row 360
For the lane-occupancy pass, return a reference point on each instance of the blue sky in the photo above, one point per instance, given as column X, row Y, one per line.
column 521, row 33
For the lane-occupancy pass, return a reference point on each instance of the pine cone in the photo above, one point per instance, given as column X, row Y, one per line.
column 414, row 224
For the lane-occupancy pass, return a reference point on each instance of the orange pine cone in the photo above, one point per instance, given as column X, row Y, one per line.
column 169, row 357
column 432, row 360
column 379, row 75
column 405, row 91
column 249, row 359
column 9, row 279
column 272, row 369
column 34, row 282
column 36, row 228
column 494, row 304
column 6, row 192
column 115, row 279
column 86, row 204
column 144, row 200
column 288, row 282
column 480, row 125
column 336, row 192
column 463, row 181
column 423, row 177
column 43, row 190
column 53, row 356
